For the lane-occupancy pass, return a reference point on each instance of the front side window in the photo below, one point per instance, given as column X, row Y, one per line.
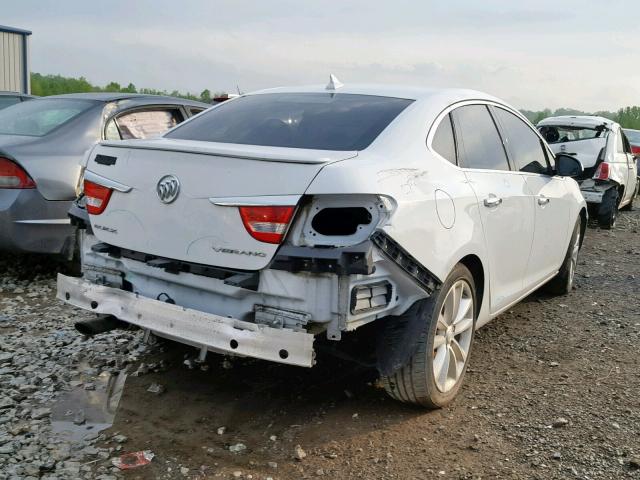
column 444, row 141
column 622, row 145
column 320, row 121
column 633, row 136
column 39, row 117
column 524, row 146
column 479, row 144
column 142, row 124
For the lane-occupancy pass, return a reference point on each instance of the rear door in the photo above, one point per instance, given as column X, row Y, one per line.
column 503, row 199
column 632, row 172
column 548, row 196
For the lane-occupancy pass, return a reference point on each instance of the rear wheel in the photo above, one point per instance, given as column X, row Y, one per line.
column 435, row 372
column 562, row 283
column 608, row 210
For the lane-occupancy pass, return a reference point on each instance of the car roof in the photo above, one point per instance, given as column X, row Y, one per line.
column 445, row 95
column 141, row 98
column 588, row 121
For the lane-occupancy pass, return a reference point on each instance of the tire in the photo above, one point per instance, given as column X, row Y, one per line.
column 608, row 210
column 562, row 283
column 416, row 382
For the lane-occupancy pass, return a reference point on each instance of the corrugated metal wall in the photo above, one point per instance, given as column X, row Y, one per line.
column 11, row 62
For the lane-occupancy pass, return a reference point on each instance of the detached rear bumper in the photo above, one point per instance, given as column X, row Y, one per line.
column 193, row 327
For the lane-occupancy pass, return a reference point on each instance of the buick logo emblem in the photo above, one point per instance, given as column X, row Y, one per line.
column 168, row 188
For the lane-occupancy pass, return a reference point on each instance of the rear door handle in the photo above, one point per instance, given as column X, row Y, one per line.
column 542, row 200
column 492, row 201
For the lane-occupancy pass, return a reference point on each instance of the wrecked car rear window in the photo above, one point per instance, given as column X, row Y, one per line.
column 561, row 134
column 319, row 121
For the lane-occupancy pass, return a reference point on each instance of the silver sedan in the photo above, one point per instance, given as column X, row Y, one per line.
column 42, row 144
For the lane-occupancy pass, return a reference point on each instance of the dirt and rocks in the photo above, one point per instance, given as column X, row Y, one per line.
column 552, row 392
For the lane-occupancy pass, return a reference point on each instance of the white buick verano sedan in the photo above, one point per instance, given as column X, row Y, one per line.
column 293, row 213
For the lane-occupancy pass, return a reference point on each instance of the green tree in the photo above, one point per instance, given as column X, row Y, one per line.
column 131, row 88
column 629, row 117
column 205, row 96
column 112, row 87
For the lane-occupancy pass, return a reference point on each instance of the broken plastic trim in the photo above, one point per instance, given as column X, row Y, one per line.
column 237, row 278
column 423, row 277
column 353, row 260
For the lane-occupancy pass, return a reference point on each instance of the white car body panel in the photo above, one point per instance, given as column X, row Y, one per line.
column 433, row 209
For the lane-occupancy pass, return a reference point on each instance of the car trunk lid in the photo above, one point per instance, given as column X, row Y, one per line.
column 587, row 151
column 202, row 224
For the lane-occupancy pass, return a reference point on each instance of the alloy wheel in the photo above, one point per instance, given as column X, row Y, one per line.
column 454, row 332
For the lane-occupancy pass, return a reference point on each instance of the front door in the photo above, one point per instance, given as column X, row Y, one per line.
column 548, row 196
column 632, row 171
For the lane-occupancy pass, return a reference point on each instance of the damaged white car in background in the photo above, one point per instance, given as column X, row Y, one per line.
column 610, row 178
column 291, row 214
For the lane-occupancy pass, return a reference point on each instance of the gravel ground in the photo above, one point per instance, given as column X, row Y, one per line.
column 552, row 392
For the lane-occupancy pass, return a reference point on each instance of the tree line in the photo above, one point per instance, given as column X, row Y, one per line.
column 43, row 85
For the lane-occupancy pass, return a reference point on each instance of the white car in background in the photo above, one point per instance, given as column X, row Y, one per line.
column 610, row 174
column 295, row 213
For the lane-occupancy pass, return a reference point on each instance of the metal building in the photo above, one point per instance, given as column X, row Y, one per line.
column 14, row 60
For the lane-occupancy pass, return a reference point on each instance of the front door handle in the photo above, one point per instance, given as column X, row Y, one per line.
column 492, row 201
column 542, row 200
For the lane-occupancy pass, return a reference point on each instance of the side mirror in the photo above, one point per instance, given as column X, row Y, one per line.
column 568, row 166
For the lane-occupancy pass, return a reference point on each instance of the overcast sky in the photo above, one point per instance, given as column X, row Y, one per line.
column 581, row 54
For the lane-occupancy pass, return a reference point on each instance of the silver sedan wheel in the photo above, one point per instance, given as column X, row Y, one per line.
column 454, row 332
column 573, row 264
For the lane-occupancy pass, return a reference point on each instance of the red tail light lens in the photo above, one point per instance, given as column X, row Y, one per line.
column 14, row 176
column 97, row 197
column 635, row 149
column 602, row 172
column 266, row 224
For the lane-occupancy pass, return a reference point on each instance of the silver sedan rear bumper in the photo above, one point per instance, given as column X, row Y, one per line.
column 192, row 327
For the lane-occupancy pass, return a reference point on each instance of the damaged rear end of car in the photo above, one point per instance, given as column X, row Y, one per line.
column 223, row 246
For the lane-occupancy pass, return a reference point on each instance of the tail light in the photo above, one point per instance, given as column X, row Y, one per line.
column 602, row 172
column 97, row 197
column 635, row 149
column 14, row 176
column 267, row 224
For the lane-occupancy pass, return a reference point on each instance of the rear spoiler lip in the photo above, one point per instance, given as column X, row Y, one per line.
column 248, row 152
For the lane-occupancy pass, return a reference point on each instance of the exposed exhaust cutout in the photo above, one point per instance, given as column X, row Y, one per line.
column 100, row 324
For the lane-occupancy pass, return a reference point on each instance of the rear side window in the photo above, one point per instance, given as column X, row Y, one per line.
column 443, row 140
column 38, row 117
column 524, row 146
column 479, row 145
column 322, row 121
column 142, row 124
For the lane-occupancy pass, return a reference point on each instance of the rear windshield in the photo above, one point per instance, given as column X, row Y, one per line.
column 38, row 117
column 320, row 121
column 560, row 134
column 633, row 136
